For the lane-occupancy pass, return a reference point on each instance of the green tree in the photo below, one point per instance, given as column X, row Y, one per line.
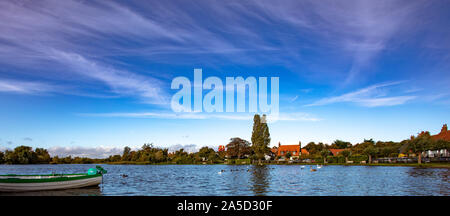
column 213, row 158
column 25, row 155
column 182, row 157
column 147, row 147
column 206, row 153
column 56, row 160
column 67, row 160
column 238, row 147
column 324, row 153
column 42, row 156
column 359, row 147
column 114, row 158
column 370, row 151
column 339, row 144
column 126, row 154
column 260, row 136
column 256, row 132
column 440, row 144
column 346, row 154
column 314, row 149
column 2, row 155
column 161, row 155
column 420, row 144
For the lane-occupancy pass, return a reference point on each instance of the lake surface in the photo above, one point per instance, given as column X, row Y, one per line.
column 276, row 180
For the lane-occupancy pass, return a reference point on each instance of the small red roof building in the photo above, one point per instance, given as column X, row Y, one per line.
column 336, row 151
column 294, row 150
column 443, row 135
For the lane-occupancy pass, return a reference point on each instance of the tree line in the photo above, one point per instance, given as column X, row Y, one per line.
column 149, row 154
column 415, row 145
column 237, row 148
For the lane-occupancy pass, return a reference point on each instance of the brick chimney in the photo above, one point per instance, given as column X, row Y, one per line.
column 279, row 144
column 444, row 128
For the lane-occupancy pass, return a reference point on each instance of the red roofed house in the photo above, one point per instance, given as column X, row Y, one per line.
column 294, row 150
column 443, row 135
column 336, row 151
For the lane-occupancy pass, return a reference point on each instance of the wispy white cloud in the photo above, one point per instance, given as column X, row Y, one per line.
column 89, row 37
column 47, row 88
column 359, row 30
column 294, row 98
column 59, row 46
column 120, row 81
column 203, row 115
column 385, row 101
column 26, row 87
column 372, row 96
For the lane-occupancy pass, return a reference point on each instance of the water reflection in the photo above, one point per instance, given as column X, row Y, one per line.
column 424, row 178
column 91, row 191
column 247, row 180
column 260, row 180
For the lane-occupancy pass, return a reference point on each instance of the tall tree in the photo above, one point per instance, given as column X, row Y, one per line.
column 265, row 135
column 256, row 129
column 126, row 153
column 260, row 136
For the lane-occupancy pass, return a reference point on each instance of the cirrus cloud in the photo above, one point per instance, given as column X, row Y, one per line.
column 371, row 96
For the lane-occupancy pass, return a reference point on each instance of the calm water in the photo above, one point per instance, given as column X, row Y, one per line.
column 250, row 180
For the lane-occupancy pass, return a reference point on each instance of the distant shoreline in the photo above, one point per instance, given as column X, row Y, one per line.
column 428, row 165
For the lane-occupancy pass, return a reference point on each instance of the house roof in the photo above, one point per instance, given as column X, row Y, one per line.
column 304, row 151
column 290, row 148
column 336, row 151
column 443, row 135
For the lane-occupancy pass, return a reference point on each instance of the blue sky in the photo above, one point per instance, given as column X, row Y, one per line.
column 95, row 75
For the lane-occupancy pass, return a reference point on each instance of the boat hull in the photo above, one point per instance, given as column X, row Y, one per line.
column 54, row 185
